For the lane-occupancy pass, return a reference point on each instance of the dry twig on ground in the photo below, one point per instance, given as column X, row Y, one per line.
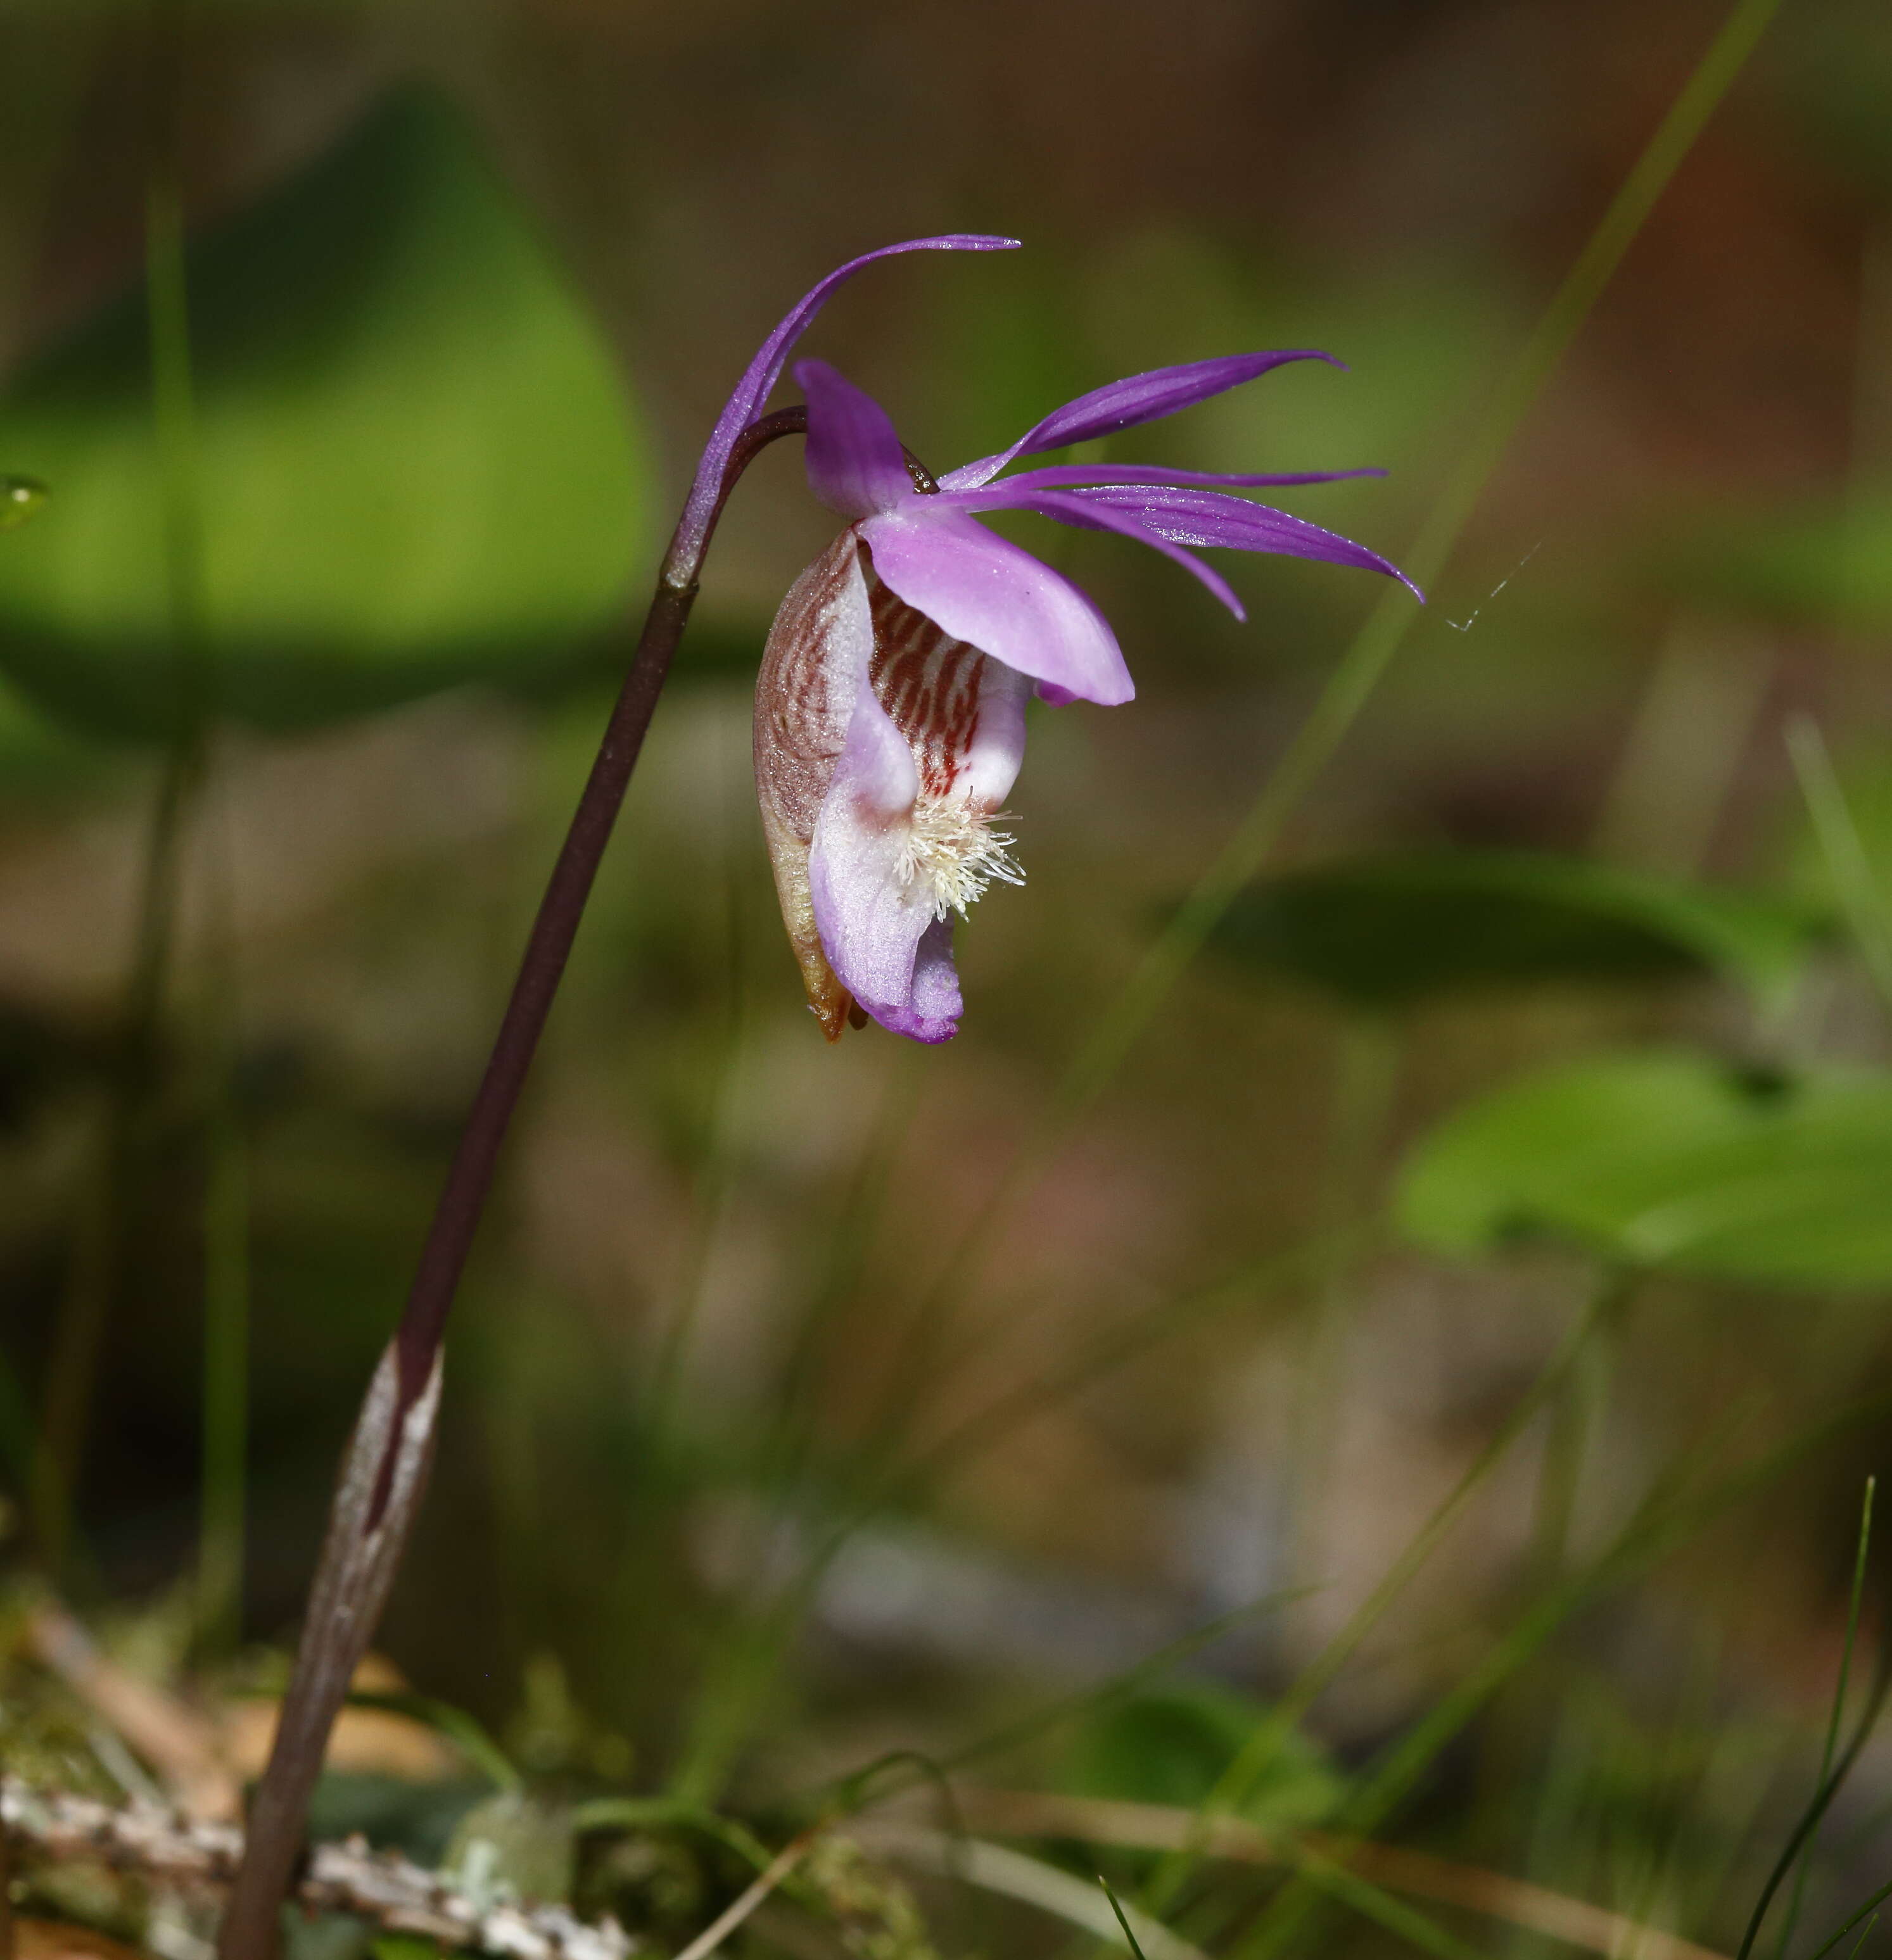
column 170, row 1850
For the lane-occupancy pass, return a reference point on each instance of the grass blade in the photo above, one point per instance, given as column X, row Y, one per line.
column 1243, row 1773
column 1840, row 844
column 1832, row 1741
column 1361, row 667
column 1373, row 649
column 1659, row 1526
column 1129, row 1936
column 996, row 1867
column 1871, row 1906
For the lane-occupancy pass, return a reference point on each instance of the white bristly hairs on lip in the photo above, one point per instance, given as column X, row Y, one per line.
column 952, row 849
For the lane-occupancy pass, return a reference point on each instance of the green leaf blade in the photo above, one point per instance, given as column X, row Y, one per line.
column 1391, row 930
column 415, row 464
column 1669, row 1159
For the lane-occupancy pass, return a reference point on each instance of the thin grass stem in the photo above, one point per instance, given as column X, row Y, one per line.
column 1868, row 1912
column 1575, row 1420
column 1848, row 867
column 1406, row 1923
column 1122, row 1918
column 97, row 1270
column 1243, row 1774
column 1669, row 1516
column 1831, row 1741
column 1824, row 1792
column 1363, row 666
column 226, row 1276
column 740, row 1675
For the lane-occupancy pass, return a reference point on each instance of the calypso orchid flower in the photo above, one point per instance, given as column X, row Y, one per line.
column 890, row 707
column 890, row 725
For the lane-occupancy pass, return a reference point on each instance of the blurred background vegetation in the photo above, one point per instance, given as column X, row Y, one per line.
column 1534, row 1101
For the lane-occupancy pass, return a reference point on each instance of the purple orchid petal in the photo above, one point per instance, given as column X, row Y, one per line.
column 938, row 1004
column 855, row 463
column 873, row 921
column 1205, row 517
column 1066, row 475
column 1092, row 515
column 1121, row 404
column 765, row 370
column 981, row 589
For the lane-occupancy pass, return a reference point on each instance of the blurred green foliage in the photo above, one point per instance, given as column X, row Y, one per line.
column 706, row 1323
column 1391, row 930
column 1684, row 1161
column 1865, row 783
column 415, row 464
column 1174, row 1745
column 1829, row 564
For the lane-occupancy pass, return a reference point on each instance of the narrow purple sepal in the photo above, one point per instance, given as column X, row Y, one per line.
column 855, row 463
column 1140, row 398
column 1188, row 517
column 1063, row 507
column 753, row 390
column 1069, row 475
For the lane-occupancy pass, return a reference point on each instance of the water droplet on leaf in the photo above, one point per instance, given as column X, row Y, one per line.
column 19, row 497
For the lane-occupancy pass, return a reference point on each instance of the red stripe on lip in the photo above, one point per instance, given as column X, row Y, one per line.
column 928, row 683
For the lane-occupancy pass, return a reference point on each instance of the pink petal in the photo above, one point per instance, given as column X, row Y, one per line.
column 963, row 714
column 981, row 589
column 855, row 463
column 871, row 919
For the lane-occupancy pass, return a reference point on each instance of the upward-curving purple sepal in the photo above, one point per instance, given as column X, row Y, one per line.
column 1137, row 398
column 754, row 390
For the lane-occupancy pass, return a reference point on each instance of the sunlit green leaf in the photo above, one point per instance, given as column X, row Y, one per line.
column 1670, row 1159
column 1387, row 931
column 414, row 462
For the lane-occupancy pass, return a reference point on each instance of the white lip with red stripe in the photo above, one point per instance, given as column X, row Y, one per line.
column 938, row 691
column 885, row 750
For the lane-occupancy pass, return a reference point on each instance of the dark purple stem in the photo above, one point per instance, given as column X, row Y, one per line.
column 384, row 1468
column 456, row 1216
